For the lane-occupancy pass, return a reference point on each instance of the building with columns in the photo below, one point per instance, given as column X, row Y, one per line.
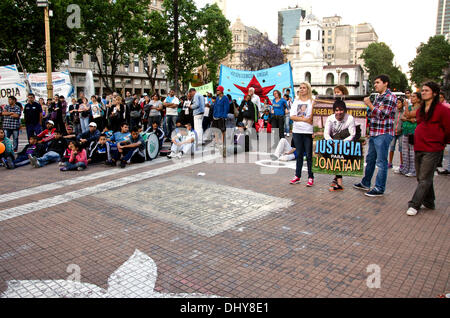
column 306, row 54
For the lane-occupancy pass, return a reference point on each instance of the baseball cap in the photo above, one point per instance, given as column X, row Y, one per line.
column 51, row 122
column 93, row 125
column 220, row 88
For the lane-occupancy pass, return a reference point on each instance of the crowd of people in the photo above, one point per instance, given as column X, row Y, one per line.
column 112, row 129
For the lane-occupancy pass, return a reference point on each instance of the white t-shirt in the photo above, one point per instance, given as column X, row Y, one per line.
column 302, row 108
column 333, row 127
column 171, row 100
column 257, row 102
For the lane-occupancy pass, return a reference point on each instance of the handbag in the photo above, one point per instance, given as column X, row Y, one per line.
column 135, row 114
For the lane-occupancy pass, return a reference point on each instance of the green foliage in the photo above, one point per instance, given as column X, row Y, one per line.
column 431, row 60
column 378, row 59
column 111, row 31
column 216, row 40
column 23, row 33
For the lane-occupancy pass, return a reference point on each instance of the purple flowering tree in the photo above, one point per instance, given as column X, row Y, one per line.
column 261, row 53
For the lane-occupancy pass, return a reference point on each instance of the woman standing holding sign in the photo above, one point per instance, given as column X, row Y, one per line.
column 302, row 116
column 339, row 126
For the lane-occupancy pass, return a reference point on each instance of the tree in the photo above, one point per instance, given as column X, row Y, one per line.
column 182, row 62
column 23, row 34
column 156, row 45
column 378, row 59
column 432, row 59
column 261, row 53
column 217, row 41
column 110, row 32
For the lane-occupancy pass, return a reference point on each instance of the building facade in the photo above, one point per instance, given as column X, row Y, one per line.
column 288, row 23
column 309, row 64
column 131, row 77
column 443, row 18
column 242, row 37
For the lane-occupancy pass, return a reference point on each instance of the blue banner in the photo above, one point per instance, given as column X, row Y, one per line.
column 265, row 82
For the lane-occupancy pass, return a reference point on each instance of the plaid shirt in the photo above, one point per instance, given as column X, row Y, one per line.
column 383, row 115
column 8, row 121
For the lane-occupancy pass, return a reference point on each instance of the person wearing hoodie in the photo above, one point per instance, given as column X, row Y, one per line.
column 54, row 152
column 100, row 152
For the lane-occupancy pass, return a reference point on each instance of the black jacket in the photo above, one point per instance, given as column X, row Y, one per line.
column 58, row 146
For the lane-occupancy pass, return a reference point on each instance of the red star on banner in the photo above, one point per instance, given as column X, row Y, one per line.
column 259, row 90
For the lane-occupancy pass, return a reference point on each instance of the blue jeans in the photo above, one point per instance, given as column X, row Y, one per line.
column 33, row 130
column 171, row 121
column 377, row 156
column 287, row 121
column 84, row 122
column 15, row 134
column 21, row 161
column 74, row 166
column 303, row 143
column 49, row 157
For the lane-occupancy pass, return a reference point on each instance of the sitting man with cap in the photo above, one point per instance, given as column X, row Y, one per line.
column 48, row 134
column 89, row 136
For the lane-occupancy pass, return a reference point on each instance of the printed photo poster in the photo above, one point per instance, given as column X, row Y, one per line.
column 338, row 157
column 302, row 110
column 96, row 111
column 237, row 82
column 11, row 85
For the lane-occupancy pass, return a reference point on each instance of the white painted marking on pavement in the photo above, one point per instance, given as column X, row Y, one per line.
column 135, row 278
column 66, row 197
column 64, row 183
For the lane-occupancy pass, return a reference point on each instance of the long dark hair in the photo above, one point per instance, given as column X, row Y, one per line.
column 435, row 89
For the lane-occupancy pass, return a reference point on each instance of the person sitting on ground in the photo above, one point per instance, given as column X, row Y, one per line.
column 48, row 134
column 108, row 132
column 121, row 135
column 339, row 126
column 100, row 152
column 71, row 136
column 238, row 145
column 85, row 139
column 55, row 151
column 78, row 158
column 33, row 148
column 7, row 156
column 132, row 149
column 182, row 142
column 158, row 132
column 285, row 151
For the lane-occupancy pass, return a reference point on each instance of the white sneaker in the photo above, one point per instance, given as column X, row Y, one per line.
column 172, row 155
column 179, row 155
column 410, row 175
column 411, row 211
column 288, row 134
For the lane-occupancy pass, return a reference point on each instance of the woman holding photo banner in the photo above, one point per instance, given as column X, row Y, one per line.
column 339, row 126
column 302, row 116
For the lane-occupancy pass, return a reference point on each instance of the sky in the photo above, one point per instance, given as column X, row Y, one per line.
column 401, row 24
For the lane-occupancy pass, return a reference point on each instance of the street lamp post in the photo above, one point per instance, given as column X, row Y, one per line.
column 44, row 4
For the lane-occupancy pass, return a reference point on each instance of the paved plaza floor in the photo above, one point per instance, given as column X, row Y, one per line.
column 160, row 229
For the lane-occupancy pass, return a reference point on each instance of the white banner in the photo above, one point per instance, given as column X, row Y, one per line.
column 61, row 84
column 11, row 85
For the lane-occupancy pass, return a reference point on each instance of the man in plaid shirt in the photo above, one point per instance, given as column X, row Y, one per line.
column 11, row 120
column 381, row 117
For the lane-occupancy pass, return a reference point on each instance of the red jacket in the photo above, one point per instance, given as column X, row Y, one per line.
column 434, row 134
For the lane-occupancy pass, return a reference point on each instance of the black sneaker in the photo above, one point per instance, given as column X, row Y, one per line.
column 9, row 163
column 374, row 193
column 360, row 186
column 123, row 164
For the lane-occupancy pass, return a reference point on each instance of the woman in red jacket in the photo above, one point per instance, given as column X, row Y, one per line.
column 431, row 136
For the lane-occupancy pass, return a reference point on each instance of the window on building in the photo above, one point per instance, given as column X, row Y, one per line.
column 330, row 79
column 344, row 78
column 329, row 40
column 308, row 34
column 308, row 77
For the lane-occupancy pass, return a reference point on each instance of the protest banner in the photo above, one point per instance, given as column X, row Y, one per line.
column 324, row 108
column 265, row 82
column 11, row 85
column 338, row 157
column 205, row 89
column 61, row 84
